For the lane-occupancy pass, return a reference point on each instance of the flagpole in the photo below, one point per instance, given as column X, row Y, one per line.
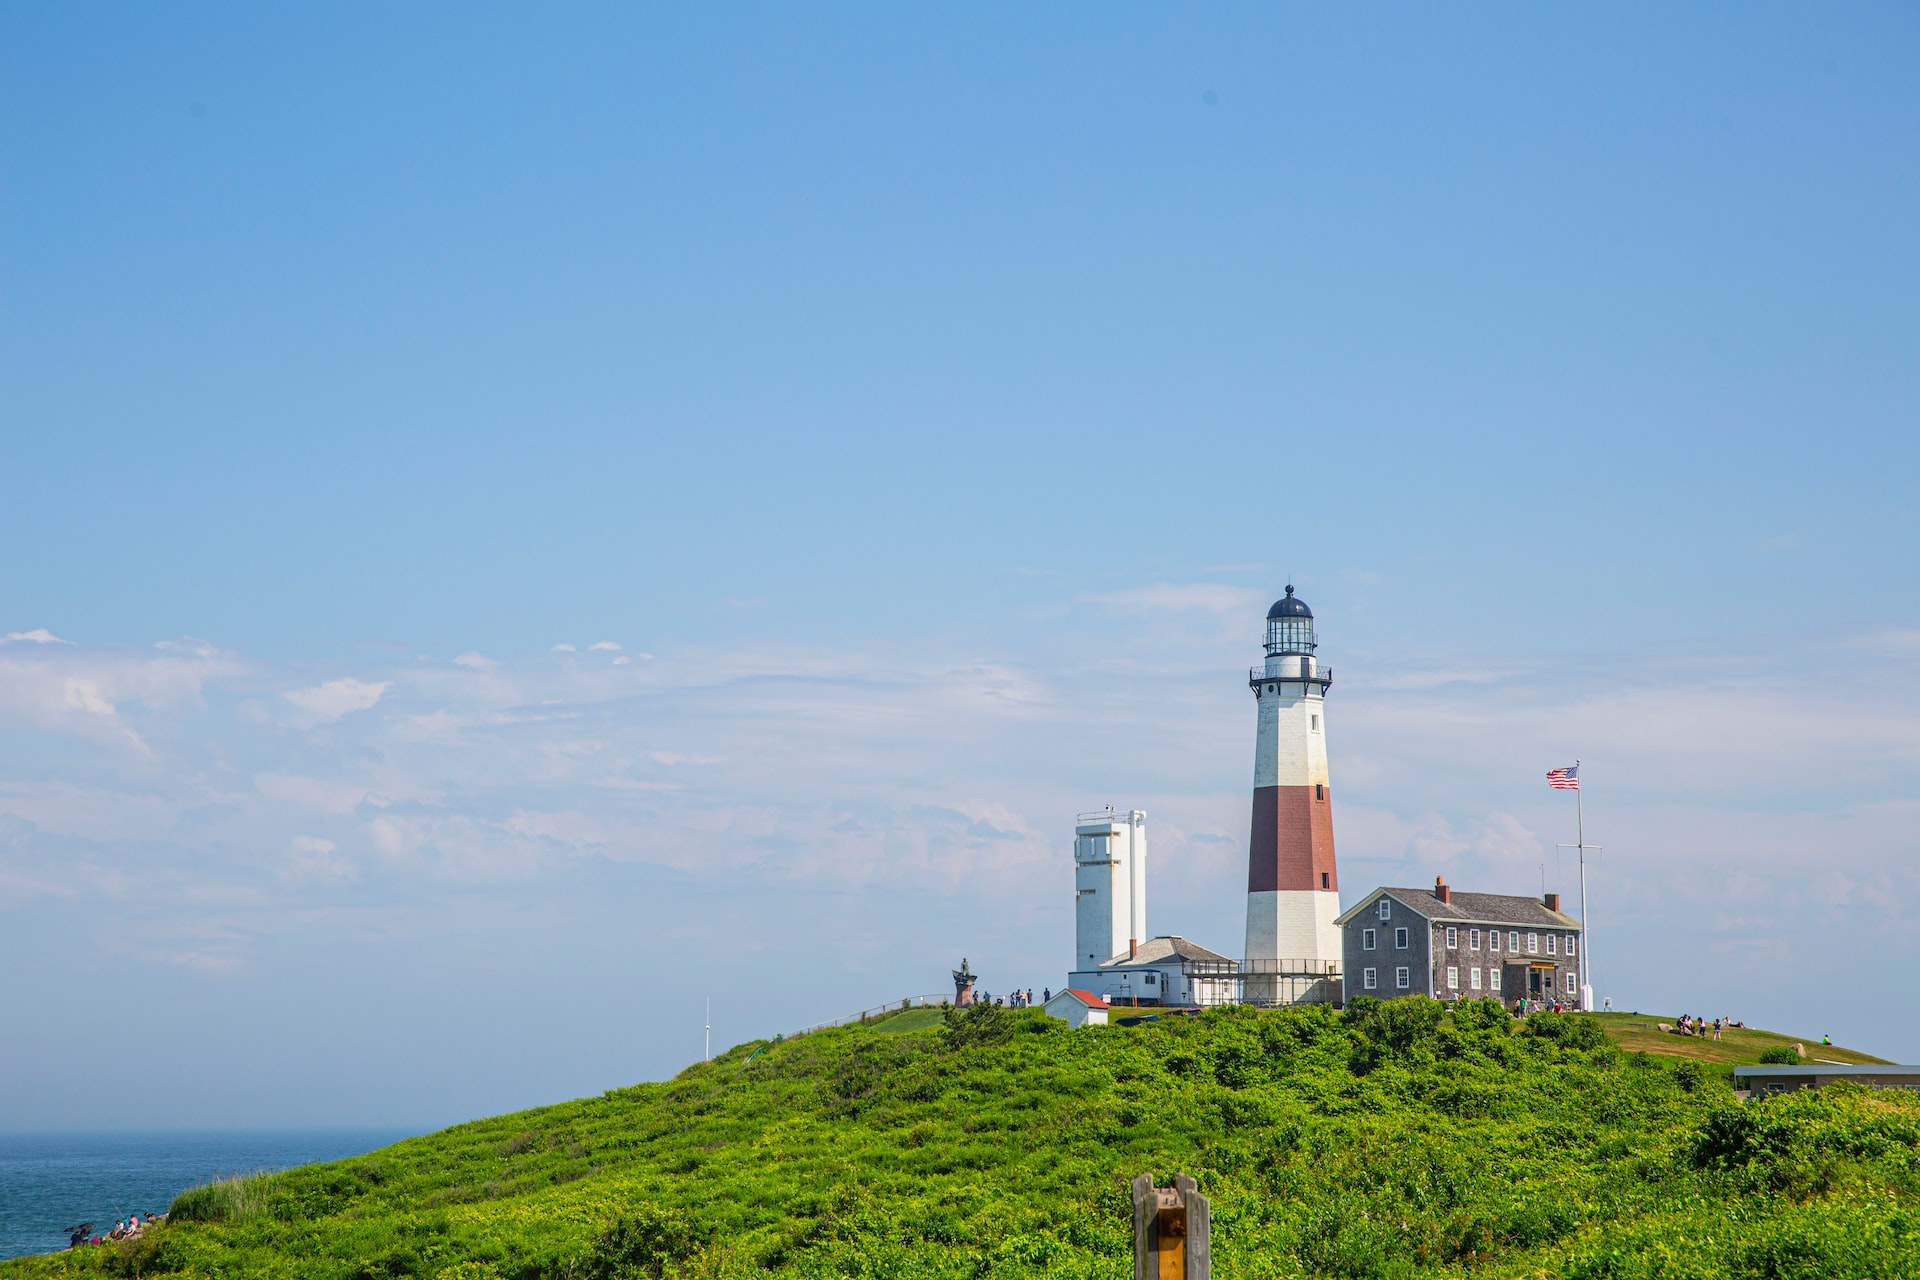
column 1586, row 940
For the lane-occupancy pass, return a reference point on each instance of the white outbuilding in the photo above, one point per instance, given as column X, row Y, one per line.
column 1078, row 1008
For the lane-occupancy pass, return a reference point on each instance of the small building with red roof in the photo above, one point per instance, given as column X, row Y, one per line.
column 1079, row 1008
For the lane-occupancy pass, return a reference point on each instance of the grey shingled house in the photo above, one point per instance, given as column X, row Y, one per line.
column 1461, row 946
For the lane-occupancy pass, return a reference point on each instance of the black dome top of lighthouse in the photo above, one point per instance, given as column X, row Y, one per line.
column 1289, row 606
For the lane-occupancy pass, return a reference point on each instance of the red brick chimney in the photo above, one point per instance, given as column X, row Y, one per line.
column 1133, row 948
column 1441, row 891
column 1553, row 902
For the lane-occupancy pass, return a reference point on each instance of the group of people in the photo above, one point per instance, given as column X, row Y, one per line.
column 1692, row 1026
column 1524, row 1006
column 1022, row 999
column 124, row 1229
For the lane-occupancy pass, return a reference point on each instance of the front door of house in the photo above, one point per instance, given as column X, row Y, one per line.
column 1533, row 984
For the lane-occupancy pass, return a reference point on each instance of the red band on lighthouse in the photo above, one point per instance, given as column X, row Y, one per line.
column 1292, row 844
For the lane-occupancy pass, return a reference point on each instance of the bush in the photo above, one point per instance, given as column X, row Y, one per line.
column 643, row 1244
column 238, row 1199
column 1568, row 1030
column 1483, row 1015
column 978, row 1024
column 1783, row 1054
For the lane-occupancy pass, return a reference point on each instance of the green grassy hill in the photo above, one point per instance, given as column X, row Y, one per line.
column 1641, row 1032
column 1388, row 1141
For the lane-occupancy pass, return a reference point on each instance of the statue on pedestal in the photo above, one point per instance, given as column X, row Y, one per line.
column 963, row 980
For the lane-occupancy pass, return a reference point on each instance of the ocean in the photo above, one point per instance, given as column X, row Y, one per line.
column 54, row 1180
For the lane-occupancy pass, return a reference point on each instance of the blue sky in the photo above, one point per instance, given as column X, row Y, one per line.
column 926, row 405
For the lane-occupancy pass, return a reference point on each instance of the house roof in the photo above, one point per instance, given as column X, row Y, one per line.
column 1841, row 1070
column 1087, row 998
column 1470, row 908
column 1160, row 950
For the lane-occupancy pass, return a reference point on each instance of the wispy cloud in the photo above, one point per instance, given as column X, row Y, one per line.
column 336, row 698
column 39, row 635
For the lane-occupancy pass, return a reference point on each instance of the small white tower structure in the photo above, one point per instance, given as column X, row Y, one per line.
column 1293, row 887
column 1110, row 886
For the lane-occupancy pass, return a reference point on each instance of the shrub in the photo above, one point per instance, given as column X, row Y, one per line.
column 1568, row 1030
column 1483, row 1015
column 642, row 1244
column 978, row 1024
column 1782, row 1053
column 238, row 1199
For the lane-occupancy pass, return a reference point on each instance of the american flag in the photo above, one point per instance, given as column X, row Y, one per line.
column 1567, row 779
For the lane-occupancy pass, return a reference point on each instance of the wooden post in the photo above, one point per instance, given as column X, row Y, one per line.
column 1146, row 1263
column 1171, row 1231
column 1199, row 1234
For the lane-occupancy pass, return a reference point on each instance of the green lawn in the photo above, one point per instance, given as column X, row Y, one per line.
column 1641, row 1031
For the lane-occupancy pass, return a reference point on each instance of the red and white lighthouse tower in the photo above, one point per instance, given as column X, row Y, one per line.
column 1293, row 888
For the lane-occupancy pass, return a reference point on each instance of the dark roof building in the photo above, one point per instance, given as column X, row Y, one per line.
column 1787, row 1077
column 1448, row 945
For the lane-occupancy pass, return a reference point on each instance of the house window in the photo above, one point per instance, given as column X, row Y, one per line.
column 1473, row 977
column 1473, row 939
column 1493, row 979
column 1149, row 979
column 1533, row 944
column 1366, row 939
column 1453, row 978
column 1513, row 939
column 1553, row 944
column 1570, row 944
column 1402, row 978
column 1493, row 939
column 1569, row 982
column 1400, row 939
column 1386, row 909
column 1453, row 937
column 1368, row 979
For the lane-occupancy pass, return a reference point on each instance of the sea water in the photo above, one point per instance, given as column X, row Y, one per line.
column 49, row 1181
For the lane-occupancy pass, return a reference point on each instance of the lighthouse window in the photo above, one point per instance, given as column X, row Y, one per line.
column 1368, row 979
column 1319, row 791
column 1316, row 724
column 1400, row 939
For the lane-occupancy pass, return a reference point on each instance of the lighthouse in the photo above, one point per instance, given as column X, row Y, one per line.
column 1293, row 888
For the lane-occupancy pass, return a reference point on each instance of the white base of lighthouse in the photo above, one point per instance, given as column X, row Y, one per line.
column 1293, row 924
